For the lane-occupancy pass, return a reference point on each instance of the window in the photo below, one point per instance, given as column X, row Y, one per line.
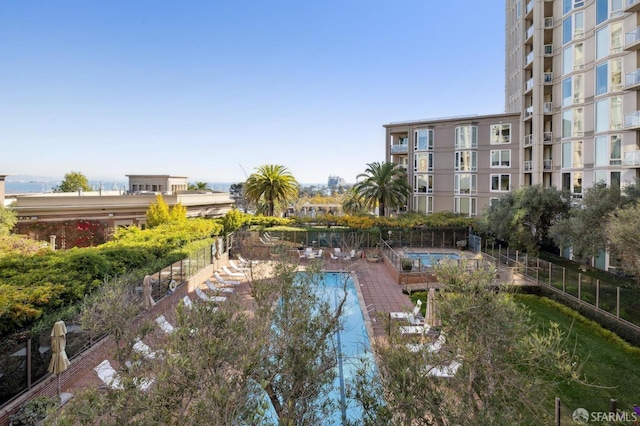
column 602, row 11
column 466, row 137
column 572, row 90
column 500, row 183
column 465, row 161
column 423, row 184
column 602, row 78
column 608, row 114
column 423, row 140
column 465, row 206
column 567, row 60
column 572, row 182
column 608, row 150
column 567, row 123
column 423, row 162
column 572, row 155
column 423, row 204
column 578, row 56
column 572, row 26
column 602, row 42
column 500, row 133
column 609, row 76
column 465, row 183
column 501, row 158
column 616, row 37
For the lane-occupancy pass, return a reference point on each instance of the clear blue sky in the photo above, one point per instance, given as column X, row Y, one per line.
column 198, row 88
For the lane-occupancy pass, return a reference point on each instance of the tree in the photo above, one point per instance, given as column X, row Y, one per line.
column 158, row 212
column 384, row 184
column 271, row 184
column 623, row 233
column 8, row 220
column 73, row 181
column 236, row 191
column 178, row 213
column 523, row 218
column 353, row 203
column 584, row 229
column 198, row 186
column 508, row 368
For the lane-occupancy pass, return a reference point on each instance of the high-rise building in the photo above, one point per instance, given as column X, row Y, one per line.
column 572, row 71
column 572, row 110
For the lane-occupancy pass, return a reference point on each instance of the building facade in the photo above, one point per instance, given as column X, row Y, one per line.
column 573, row 72
column 456, row 164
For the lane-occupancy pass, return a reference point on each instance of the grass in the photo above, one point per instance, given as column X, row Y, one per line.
column 611, row 365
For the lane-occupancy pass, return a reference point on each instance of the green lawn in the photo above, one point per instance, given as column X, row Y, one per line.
column 610, row 365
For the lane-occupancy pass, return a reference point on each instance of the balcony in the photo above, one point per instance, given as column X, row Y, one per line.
column 632, row 120
column 548, row 107
column 632, row 80
column 528, row 85
column 631, row 159
column 548, row 49
column 547, row 138
column 547, row 164
column 529, row 33
column 528, row 166
column 528, row 140
column 548, row 22
column 528, row 112
column 548, row 78
column 631, row 6
column 632, row 39
column 399, row 149
column 528, row 8
column 528, row 60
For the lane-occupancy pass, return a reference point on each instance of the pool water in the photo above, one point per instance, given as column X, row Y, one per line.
column 430, row 259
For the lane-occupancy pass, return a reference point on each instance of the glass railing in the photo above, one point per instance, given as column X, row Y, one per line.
column 528, row 112
column 528, row 59
column 399, row 149
column 528, row 140
column 528, row 165
column 528, row 85
column 548, row 107
column 632, row 159
column 529, row 7
column 632, row 119
column 547, row 137
column 529, row 33
column 632, row 37
column 547, row 163
column 548, row 77
column 629, row 3
column 548, row 22
column 632, row 78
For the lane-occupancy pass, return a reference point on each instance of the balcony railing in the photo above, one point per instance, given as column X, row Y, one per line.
column 547, row 138
column 528, row 112
column 632, row 119
column 632, row 37
column 548, row 22
column 528, row 85
column 399, row 149
column 529, row 33
column 528, row 166
column 548, row 77
column 548, row 49
column 548, row 107
column 528, row 140
column 528, row 59
column 529, row 7
column 632, row 78
column 547, row 163
column 631, row 5
column 632, row 159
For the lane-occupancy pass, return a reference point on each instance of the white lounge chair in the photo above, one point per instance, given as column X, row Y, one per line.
column 165, row 325
column 429, row 347
column 245, row 262
column 224, row 281
column 237, row 267
column 414, row 329
column 415, row 317
column 143, row 349
column 352, row 254
column 109, row 377
column 444, row 371
column 206, row 298
column 187, row 302
column 214, row 287
column 266, row 243
column 230, row 273
column 269, row 237
column 334, row 256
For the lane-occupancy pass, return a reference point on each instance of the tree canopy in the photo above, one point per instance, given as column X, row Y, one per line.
column 385, row 185
column 73, row 181
column 271, row 185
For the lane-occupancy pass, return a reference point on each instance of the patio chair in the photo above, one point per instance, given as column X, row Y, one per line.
column 165, row 325
column 214, row 287
column 186, row 300
column 266, row 243
column 415, row 317
column 109, row 377
column 334, row 256
column 445, row 370
column 352, row 254
column 206, row 298
column 143, row 349
column 269, row 237
column 223, row 281
column 429, row 347
column 236, row 267
column 230, row 273
column 414, row 329
column 244, row 262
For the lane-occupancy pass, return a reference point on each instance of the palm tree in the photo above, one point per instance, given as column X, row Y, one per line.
column 385, row 184
column 198, row 186
column 271, row 184
column 352, row 202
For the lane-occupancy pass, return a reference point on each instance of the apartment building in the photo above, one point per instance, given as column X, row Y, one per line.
column 457, row 164
column 573, row 71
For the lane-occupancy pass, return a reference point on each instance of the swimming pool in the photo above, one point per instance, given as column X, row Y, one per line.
column 427, row 260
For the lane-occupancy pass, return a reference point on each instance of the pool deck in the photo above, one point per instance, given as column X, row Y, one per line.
column 377, row 291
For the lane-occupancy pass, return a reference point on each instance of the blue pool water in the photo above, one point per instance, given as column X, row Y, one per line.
column 429, row 259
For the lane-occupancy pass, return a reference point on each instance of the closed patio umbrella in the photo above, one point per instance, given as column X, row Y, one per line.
column 147, row 299
column 59, row 361
column 432, row 318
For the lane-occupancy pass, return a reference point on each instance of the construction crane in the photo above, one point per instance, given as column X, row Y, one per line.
column 244, row 171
